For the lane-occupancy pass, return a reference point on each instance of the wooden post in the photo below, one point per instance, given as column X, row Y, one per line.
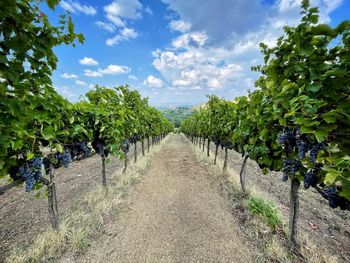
column 104, row 181
column 52, row 200
column 294, row 213
column 216, row 153
column 242, row 174
column 125, row 162
column 143, row 147
column 208, row 148
column 203, row 144
column 225, row 159
column 148, row 144
column 135, row 152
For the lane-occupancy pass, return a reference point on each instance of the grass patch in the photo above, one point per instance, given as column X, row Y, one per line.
column 265, row 210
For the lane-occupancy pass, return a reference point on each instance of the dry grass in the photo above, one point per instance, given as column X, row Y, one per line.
column 77, row 229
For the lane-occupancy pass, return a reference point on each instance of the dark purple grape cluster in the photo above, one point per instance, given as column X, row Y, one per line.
column 285, row 138
column 302, row 148
column 315, row 150
column 334, row 200
column 290, row 167
column 65, row 158
column 82, row 148
column 30, row 172
column 310, row 178
column 100, row 147
column 134, row 138
column 125, row 145
column 46, row 163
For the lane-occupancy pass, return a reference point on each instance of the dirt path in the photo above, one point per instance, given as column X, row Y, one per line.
column 176, row 214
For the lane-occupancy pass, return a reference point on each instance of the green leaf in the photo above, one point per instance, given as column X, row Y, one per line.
column 71, row 119
column 315, row 87
column 305, row 129
column 331, row 177
column 48, row 133
column 30, row 156
column 321, row 135
column 345, row 193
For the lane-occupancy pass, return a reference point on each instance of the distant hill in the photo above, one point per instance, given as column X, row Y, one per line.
column 177, row 115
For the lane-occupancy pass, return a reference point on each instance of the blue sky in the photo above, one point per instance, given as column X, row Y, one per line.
column 173, row 51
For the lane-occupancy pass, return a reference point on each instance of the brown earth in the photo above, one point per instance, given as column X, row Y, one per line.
column 176, row 214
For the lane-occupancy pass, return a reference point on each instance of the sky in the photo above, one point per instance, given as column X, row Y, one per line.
column 174, row 51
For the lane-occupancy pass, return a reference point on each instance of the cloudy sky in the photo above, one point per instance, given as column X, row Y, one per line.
column 173, row 51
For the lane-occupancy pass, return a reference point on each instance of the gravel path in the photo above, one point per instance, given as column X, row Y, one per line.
column 176, row 214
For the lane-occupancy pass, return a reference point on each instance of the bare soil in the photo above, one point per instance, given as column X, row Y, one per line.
column 23, row 216
column 176, row 214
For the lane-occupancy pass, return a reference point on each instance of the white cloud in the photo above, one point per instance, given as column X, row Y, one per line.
column 152, row 81
column 106, row 26
column 76, row 7
column 194, row 68
column 69, row 76
column 132, row 77
column 179, row 25
column 92, row 73
column 115, row 70
column 80, row 82
column 124, row 35
column 88, row 61
column 197, row 39
column 119, row 10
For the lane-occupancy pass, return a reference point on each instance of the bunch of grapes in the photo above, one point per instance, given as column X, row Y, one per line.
column 28, row 176
column 30, row 172
column 290, row 167
column 100, row 147
column 134, row 138
column 36, row 164
column 46, row 162
column 125, row 146
column 65, row 158
column 302, row 147
column 285, row 138
column 314, row 151
column 310, row 178
column 83, row 148
column 334, row 200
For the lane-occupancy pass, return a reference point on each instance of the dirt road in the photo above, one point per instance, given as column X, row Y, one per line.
column 176, row 214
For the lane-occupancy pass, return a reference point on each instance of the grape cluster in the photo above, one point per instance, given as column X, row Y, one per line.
column 334, row 200
column 285, row 138
column 46, row 163
column 301, row 147
column 30, row 172
column 100, row 147
column 125, row 145
column 81, row 148
column 65, row 158
column 310, row 178
column 314, row 151
column 290, row 167
column 134, row 138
